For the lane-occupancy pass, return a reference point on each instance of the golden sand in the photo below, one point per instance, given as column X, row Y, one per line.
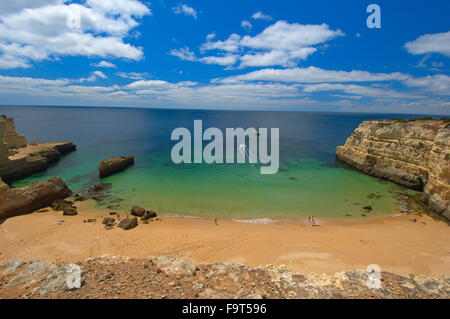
column 395, row 243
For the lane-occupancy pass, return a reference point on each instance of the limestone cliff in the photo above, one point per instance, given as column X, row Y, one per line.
column 9, row 134
column 415, row 154
column 18, row 160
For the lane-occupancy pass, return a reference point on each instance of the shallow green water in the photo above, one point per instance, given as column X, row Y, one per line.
column 310, row 181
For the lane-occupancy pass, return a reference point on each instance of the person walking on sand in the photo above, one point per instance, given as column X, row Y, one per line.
column 215, row 221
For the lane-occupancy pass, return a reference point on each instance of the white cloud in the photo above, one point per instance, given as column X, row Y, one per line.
column 231, row 44
column 359, row 90
column 39, row 33
column 286, row 36
column 210, row 36
column 282, row 44
column 312, row 75
column 121, row 7
column 104, row 64
column 438, row 84
column 276, row 57
column 184, row 54
column 220, row 60
column 246, row 24
column 430, row 43
column 93, row 77
column 133, row 75
column 100, row 74
column 261, row 16
column 349, row 96
column 8, row 7
column 186, row 10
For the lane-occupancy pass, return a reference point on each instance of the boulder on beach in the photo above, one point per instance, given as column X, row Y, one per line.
column 60, row 205
column 25, row 200
column 108, row 221
column 70, row 211
column 149, row 214
column 113, row 165
column 128, row 223
column 143, row 213
column 65, row 206
column 138, row 211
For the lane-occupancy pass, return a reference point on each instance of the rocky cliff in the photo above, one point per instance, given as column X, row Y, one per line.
column 413, row 153
column 25, row 200
column 9, row 134
column 18, row 160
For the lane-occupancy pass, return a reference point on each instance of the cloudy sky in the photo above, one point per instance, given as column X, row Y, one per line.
column 283, row 55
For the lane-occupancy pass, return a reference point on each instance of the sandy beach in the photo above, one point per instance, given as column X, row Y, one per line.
column 396, row 243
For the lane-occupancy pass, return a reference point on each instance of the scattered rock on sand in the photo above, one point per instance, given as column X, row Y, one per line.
column 138, row 211
column 70, row 211
column 150, row 214
column 60, row 205
column 143, row 213
column 65, row 206
column 114, row 164
column 108, row 221
column 128, row 223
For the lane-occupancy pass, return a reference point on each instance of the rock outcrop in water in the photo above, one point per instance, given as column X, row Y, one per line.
column 414, row 153
column 18, row 160
column 25, row 200
column 114, row 165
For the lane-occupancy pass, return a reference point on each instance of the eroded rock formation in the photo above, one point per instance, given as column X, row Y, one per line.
column 415, row 154
column 25, row 200
column 18, row 160
column 8, row 132
column 114, row 164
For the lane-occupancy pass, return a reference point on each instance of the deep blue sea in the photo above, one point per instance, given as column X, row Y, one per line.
column 310, row 180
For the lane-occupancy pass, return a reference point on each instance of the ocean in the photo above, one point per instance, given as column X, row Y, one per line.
column 310, row 182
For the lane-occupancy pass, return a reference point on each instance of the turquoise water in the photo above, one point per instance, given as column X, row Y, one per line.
column 310, row 180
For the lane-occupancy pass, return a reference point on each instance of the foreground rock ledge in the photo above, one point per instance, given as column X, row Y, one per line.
column 415, row 154
column 114, row 165
column 25, row 200
column 176, row 278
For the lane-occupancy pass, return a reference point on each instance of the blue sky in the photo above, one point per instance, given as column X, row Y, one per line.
column 280, row 55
